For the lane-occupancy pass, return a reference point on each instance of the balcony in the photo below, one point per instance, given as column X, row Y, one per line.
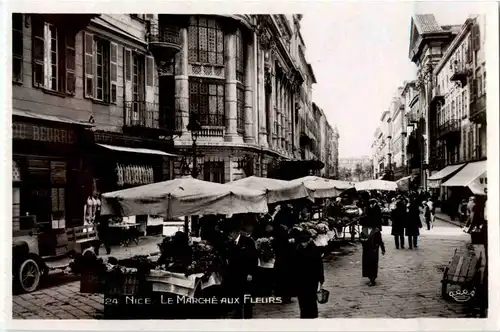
column 164, row 41
column 449, row 129
column 478, row 110
column 413, row 117
column 437, row 96
column 151, row 120
column 460, row 73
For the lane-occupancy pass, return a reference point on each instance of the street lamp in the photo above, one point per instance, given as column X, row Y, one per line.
column 194, row 126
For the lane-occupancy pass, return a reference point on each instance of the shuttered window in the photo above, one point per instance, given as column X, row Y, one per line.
column 113, row 59
column 53, row 53
column 89, row 65
column 127, row 65
column 70, row 65
column 17, row 47
column 476, row 40
column 149, row 71
column 101, row 58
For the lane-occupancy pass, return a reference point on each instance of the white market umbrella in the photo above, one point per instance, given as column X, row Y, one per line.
column 404, row 183
column 323, row 188
column 376, row 185
column 184, row 197
column 277, row 190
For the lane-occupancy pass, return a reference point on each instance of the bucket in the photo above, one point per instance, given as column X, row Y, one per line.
column 322, row 296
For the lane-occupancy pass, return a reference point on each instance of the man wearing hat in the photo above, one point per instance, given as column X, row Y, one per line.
column 243, row 260
column 309, row 273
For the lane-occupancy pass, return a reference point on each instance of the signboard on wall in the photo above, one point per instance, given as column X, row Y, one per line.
column 41, row 133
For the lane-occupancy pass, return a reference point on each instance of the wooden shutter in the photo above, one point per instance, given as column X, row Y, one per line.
column 476, row 40
column 127, row 82
column 70, row 65
column 89, row 65
column 473, row 90
column 152, row 109
column 38, row 53
column 113, row 72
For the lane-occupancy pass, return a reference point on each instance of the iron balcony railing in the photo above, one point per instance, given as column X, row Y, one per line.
column 160, row 33
column 141, row 114
column 449, row 127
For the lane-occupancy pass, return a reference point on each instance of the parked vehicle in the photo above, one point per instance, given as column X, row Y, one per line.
column 39, row 248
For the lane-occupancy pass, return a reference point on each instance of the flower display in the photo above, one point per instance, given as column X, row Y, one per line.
column 204, row 259
column 265, row 249
column 322, row 228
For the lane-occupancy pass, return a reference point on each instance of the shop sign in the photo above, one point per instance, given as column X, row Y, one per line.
column 134, row 174
column 33, row 132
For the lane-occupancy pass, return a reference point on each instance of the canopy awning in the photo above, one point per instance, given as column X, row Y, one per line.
column 473, row 176
column 404, row 183
column 136, row 150
column 434, row 181
column 46, row 117
column 376, row 185
column 323, row 188
column 277, row 190
column 183, row 197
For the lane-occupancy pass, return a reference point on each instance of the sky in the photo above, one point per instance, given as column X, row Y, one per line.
column 359, row 54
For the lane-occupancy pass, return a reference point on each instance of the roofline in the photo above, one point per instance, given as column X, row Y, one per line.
column 383, row 115
column 466, row 27
column 311, row 72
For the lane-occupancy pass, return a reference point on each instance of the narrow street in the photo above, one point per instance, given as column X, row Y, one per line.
column 408, row 286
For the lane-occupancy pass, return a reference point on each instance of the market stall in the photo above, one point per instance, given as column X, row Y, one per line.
column 187, row 267
column 381, row 185
column 323, row 188
column 277, row 190
column 184, row 197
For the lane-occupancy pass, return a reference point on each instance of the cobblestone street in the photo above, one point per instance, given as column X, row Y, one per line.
column 408, row 286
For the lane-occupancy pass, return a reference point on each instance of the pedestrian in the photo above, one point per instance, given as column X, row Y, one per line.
column 242, row 263
column 284, row 250
column 474, row 215
column 399, row 217
column 309, row 274
column 432, row 208
column 427, row 215
column 373, row 215
column 462, row 212
column 103, row 230
column 372, row 242
column 413, row 224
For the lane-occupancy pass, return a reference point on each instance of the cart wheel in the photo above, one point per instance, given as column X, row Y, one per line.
column 28, row 276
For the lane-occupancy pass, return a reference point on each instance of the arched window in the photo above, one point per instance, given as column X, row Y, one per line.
column 206, row 41
column 240, row 77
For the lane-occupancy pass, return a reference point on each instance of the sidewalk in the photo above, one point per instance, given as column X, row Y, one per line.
column 444, row 217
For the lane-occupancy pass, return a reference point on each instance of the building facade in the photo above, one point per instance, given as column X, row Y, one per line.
column 104, row 102
column 451, row 79
column 413, row 144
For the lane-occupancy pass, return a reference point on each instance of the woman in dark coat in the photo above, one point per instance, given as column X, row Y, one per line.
column 413, row 224
column 399, row 217
column 309, row 273
column 372, row 242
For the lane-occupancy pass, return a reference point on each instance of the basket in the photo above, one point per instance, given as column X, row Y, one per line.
column 91, row 284
column 322, row 296
column 126, row 283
